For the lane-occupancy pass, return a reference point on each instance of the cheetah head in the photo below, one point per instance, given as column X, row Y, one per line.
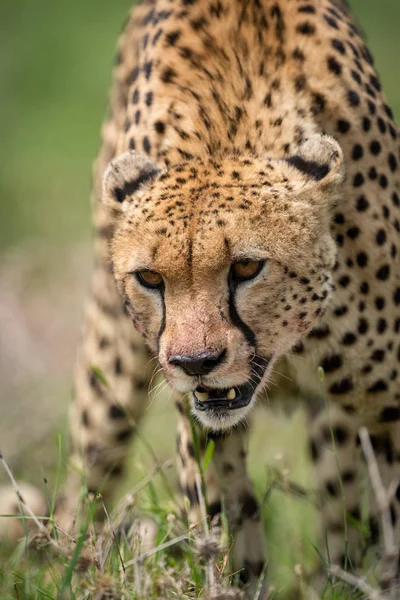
column 224, row 265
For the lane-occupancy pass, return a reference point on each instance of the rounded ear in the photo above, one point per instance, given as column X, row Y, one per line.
column 125, row 175
column 320, row 159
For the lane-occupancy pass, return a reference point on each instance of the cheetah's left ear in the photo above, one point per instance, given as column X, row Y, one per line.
column 319, row 159
column 126, row 175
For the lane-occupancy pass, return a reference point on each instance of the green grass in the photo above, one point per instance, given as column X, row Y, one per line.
column 90, row 566
column 55, row 70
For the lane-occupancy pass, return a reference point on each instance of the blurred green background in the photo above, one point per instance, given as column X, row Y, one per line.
column 55, row 70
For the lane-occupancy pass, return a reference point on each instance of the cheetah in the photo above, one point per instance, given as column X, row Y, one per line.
column 247, row 206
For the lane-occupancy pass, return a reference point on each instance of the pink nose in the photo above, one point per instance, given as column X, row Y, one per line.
column 198, row 364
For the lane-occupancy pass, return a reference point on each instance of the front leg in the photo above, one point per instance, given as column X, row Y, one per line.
column 241, row 506
column 227, row 483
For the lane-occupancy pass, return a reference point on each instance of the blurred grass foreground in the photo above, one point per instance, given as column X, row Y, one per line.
column 55, row 70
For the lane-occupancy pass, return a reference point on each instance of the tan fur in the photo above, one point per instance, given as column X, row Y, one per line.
column 232, row 127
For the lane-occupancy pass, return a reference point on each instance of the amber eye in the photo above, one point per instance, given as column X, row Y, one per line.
column 149, row 279
column 246, row 269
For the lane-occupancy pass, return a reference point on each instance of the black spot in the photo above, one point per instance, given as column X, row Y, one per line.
column 366, row 124
column 118, row 366
column 116, row 412
column 159, row 126
column 344, row 281
column 340, row 311
column 392, row 162
column 135, row 97
column 134, row 75
column 378, row 386
column 340, row 434
column 149, row 99
column 381, row 237
column 342, row 386
column 298, row 55
column 353, row 98
column 124, row 435
column 363, row 326
column 381, row 125
column 172, row 37
column 306, row 28
column 353, row 232
column 250, row 508
column 362, row 203
column 383, row 273
column 319, row 333
column 334, row 66
column 332, row 488
column 357, row 152
column 85, row 418
column 358, row 179
column 362, row 259
column 381, row 326
column 375, row 147
column 168, row 75
column 331, row 363
column 380, row 302
column 356, row 76
column 339, row 46
column 348, row 476
column 314, row 450
column 349, row 339
column 378, row 355
column 343, row 126
column 331, row 22
column 389, row 413
column 383, row 182
column 307, row 8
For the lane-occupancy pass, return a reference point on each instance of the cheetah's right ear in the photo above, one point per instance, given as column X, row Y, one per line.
column 320, row 160
column 125, row 175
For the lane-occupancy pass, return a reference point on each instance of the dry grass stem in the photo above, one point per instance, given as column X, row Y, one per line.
column 37, row 522
column 383, row 497
column 356, row 582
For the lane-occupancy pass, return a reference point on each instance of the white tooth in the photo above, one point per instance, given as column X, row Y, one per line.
column 231, row 395
column 202, row 396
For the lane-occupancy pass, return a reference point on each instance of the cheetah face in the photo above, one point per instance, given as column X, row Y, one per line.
column 224, row 265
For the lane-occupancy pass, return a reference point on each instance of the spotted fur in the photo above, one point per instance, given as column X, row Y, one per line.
column 246, row 129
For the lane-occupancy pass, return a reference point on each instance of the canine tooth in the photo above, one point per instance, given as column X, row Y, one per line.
column 231, row 395
column 202, row 396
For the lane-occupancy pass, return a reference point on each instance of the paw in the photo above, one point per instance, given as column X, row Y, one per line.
column 141, row 533
column 13, row 529
column 249, row 556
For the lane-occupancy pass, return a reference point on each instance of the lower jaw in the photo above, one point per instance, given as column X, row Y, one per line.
column 223, row 413
column 223, row 404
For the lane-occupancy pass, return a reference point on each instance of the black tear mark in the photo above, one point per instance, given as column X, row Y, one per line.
column 311, row 168
column 130, row 187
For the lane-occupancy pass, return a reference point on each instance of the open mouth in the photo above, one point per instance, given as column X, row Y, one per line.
column 239, row 396
column 228, row 398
